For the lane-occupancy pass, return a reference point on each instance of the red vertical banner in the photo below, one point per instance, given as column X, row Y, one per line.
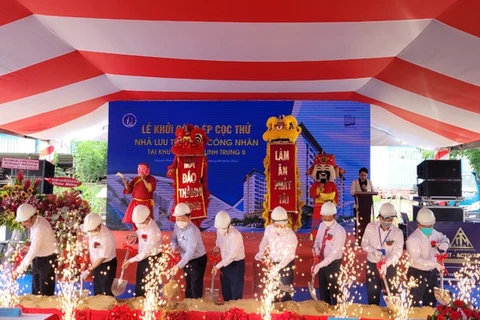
column 189, row 188
column 283, row 176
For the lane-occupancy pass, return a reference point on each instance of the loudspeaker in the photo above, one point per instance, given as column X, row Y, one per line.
column 440, row 169
column 432, row 188
column 443, row 213
column 45, row 170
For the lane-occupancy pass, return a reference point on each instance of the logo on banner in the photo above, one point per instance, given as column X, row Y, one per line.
column 129, row 120
column 461, row 241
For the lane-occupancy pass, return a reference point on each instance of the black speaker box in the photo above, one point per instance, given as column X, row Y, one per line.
column 443, row 213
column 440, row 169
column 432, row 188
column 45, row 170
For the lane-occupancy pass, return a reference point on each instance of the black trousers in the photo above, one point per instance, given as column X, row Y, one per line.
column 427, row 280
column 232, row 278
column 43, row 275
column 142, row 270
column 195, row 270
column 328, row 282
column 103, row 276
column 375, row 283
column 286, row 279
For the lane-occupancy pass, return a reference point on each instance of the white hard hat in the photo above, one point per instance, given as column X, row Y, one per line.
column 425, row 216
column 222, row 220
column 25, row 212
column 181, row 209
column 387, row 211
column 140, row 213
column 92, row 220
column 328, row 209
column 279, row 214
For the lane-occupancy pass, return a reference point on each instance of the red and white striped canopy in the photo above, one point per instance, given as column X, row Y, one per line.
column 417, row 62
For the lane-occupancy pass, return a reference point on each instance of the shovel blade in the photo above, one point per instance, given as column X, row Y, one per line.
column 443, row 296
column 390, row 302
column 313, row 292
column 118, row 286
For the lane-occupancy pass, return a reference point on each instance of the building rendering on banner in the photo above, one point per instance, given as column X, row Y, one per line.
column 254, row 188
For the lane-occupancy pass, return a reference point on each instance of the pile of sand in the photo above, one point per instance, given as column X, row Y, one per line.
column 250, row 306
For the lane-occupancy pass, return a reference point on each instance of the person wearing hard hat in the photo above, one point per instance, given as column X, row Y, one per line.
column 187, row 239
column 232, row 265
column 282, row 245
column 149, row 239
column 42, row 252
column 328, row 247
column 103, row 254
column 424, row 246
column 383, row 243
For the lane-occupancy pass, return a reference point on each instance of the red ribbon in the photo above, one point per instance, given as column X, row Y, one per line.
column 379, row 266
column 130, row 249
column 440, row 258
column 214, row 258
column 174, row 259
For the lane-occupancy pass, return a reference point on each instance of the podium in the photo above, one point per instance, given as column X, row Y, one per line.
column 364, row 201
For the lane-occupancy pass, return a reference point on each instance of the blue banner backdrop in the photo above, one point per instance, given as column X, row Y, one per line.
column 144, row 131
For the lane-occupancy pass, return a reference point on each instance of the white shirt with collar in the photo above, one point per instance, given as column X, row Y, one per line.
column 391, row 240
column 419, row 247
column 149, row 242
column 42, row 242
column 355, row 187
column 231, row 247
column 102, row 246
column 282, row 247
column 333, row 247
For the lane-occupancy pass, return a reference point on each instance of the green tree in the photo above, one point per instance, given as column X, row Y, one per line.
column 473, row 156
column 90, row 160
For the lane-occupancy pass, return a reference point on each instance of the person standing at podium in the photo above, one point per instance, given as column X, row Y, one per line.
column 362, row 184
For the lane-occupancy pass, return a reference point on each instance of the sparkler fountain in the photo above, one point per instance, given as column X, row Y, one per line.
column 68, row 271
column 467, row 278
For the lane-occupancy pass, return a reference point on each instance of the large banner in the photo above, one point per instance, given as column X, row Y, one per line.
column 143, row 132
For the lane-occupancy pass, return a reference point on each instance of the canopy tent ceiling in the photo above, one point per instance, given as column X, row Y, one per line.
column 416, row 62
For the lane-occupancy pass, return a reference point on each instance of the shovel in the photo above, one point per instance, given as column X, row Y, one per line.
column 82, row 293
column 443, row 296
column 119, row 285
column 311, row 285
column 389, row 299
column 311, row 288
column 212, row 293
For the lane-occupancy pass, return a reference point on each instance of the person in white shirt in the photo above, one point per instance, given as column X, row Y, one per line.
column 362, row 184
column 187, row 239
column 149, row 239
column 232, row 265
column 282, row 246
column 383, row 243
column 103, row 254
column 328, row 247
column 42, row 252
column 423, row 247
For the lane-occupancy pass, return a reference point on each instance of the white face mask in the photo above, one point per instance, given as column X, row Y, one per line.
column 329, row 223
column 94, row 233
column 280, row 230
column 141, row 226
column 182, row 224
column 223, row 231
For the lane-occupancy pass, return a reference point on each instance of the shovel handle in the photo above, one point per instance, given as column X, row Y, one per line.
column 213, row 283
column 123, row 269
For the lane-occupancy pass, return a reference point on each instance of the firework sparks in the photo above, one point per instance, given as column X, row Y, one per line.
column 157, row 297
column 271, row 284
column 9, row 288
column 68, row 271
column 467, row 278
column 348, row 280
